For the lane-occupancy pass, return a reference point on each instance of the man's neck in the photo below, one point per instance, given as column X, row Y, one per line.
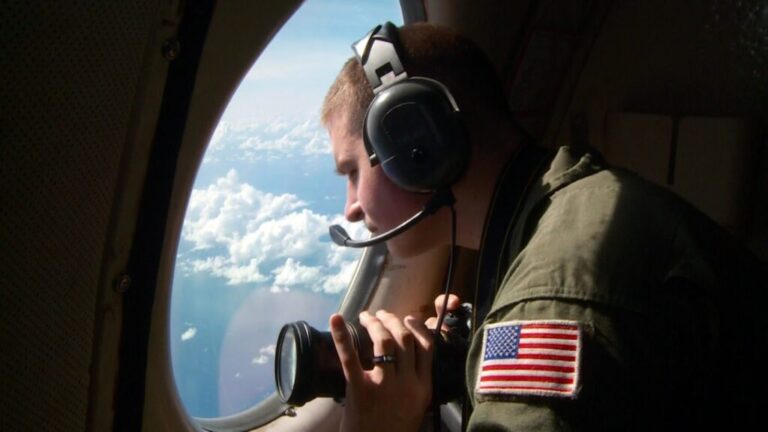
column 475, row 191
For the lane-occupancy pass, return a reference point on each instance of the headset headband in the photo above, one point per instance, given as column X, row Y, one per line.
column 379, row 54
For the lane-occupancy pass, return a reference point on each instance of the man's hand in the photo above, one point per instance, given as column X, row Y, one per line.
column 393, row 395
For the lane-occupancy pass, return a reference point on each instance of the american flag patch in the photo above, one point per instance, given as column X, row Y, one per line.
column 530, row 358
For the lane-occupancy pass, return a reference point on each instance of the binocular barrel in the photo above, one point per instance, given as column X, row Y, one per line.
column 307, row 364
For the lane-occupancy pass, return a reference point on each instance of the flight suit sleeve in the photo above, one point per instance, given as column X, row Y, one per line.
column 603, row 256
column 626, row 379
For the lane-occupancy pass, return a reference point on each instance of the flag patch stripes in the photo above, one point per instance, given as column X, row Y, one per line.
column 530, row 358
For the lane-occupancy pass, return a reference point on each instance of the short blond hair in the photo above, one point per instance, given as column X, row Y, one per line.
column 430, row 51
column 350, row 92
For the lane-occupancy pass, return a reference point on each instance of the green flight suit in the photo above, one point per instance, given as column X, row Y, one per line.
column 667, row 305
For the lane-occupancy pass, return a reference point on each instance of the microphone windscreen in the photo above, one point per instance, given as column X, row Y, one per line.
column 338, row 235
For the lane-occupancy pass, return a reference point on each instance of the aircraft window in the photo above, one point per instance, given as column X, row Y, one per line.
column 254, row 252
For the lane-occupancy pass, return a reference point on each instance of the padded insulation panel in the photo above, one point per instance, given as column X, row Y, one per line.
column 69, row 77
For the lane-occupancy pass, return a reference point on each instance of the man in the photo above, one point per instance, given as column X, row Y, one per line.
column 608, row 303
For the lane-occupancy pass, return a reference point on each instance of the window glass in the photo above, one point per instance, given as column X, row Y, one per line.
column 255, row 251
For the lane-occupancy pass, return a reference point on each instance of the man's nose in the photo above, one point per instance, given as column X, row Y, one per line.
column 352, row 210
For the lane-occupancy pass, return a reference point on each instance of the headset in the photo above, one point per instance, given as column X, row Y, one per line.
column 413, row 126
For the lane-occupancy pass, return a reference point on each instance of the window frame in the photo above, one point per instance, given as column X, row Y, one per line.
column 225, row 61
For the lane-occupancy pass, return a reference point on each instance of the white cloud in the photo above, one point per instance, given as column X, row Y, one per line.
column 295, row 234
column 294, row 273
column 338, row 282
column 274, row 139
column 264, row 355
column 249, row 236
column 188, row 334
column 219, row 213
column 260, row 360
column 286, row 140
column 238, row 274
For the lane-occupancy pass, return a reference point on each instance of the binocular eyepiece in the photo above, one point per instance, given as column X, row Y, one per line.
column 307, row 365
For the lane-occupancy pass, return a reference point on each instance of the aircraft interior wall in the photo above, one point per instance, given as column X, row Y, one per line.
column 677, row 94
column 71, row 75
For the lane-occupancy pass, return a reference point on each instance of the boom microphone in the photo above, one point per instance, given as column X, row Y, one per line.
column 439, row 199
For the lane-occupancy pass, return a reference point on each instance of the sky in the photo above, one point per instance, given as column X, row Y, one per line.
column 254, row 252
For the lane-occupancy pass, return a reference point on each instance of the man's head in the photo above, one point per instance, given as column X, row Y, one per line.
column 426, row 51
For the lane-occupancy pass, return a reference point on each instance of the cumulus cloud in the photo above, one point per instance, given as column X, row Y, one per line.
column 216, row 214
column 338, row 282
column 273, row 240
column 275, row 139
column 294, row 273
column 234, row 272
column 188, row 334
column 260, row 360
column 265, row 354
column 295, row 234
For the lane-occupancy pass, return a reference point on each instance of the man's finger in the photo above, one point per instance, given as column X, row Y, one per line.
column 431, row 322
column 453, row 303
column 425, row 340
column 345, row 348
column 383, row 342
column 406, row 357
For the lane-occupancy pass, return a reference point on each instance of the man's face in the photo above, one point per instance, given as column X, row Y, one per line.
column 377, row 201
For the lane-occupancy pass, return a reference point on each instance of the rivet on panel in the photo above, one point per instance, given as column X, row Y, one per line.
column 171, row 49
column 123, row 283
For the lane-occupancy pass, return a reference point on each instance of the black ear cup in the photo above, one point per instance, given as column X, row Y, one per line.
column 414, row 130
column 413, row 127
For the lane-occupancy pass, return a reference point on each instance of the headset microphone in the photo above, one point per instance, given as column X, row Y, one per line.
column 440, row 199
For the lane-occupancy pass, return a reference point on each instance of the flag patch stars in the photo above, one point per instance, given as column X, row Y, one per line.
column 530, row 358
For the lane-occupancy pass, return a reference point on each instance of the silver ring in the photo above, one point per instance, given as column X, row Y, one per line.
column 384, row 359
